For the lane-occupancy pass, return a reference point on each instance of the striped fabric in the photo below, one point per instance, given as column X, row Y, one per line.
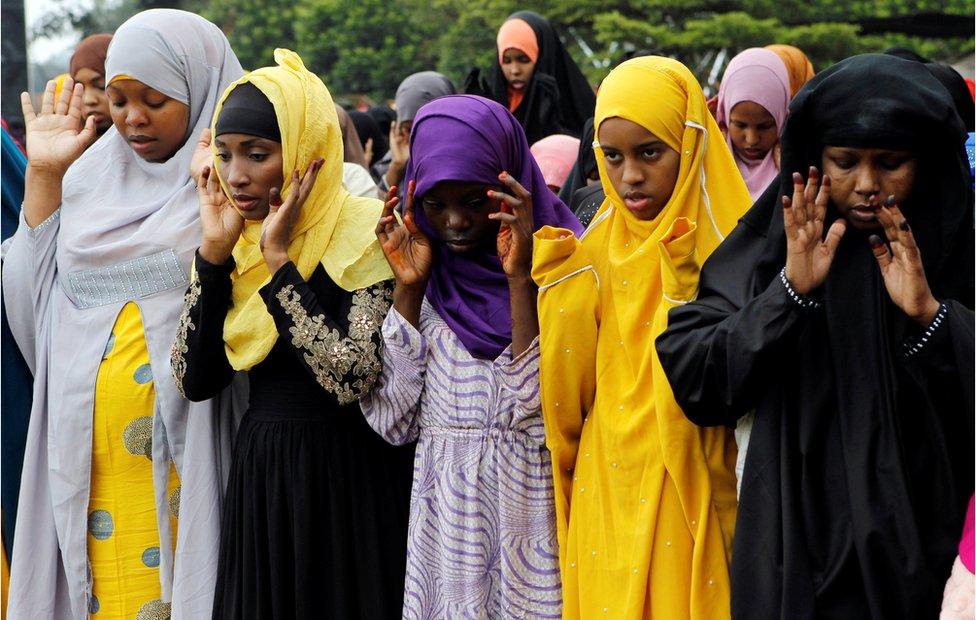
column 482, row 541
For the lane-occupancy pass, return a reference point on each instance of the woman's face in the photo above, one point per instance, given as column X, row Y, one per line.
column 752, row 130
column 251, row 167
column 642, row 168
column 458, row 212
column 861, row 179
column 518, row 68
column 154, row 125
column 95, row 102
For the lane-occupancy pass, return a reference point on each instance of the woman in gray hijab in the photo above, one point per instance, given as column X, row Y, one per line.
column 94, row 281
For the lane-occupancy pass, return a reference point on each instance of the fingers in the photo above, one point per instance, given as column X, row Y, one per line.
column 810, row 190
column 880, row 251
column 798, row 206
column 27, row 107
column 74, row 107
column 823, row 198
column 47, row 100
column 274, row 200
column 203, row 180
column 834, row 235
column 64, row 99
column 505, row 218
column 887, row 220
column 515, row 186
column 903, row 233
column 789, row 222
column 408, row 214
column 204, row 140
column 88, row 134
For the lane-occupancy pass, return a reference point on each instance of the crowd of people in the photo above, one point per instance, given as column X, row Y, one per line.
column 530, row 350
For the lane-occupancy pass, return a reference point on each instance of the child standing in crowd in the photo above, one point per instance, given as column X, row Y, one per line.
column 645, row 500
column 92, row 282
column 753, row 102
column 291, row 287
column 853, row 346
column 460, row 367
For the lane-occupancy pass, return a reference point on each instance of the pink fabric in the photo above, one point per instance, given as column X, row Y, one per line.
column 756, row 75
column 556, row 155
column 966, row 545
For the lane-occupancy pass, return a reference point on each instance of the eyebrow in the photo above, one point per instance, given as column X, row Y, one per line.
column 643, row 145
column 249, row 142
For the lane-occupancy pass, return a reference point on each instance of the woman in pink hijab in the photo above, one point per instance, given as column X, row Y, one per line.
column 753, row 102
column 556, row 155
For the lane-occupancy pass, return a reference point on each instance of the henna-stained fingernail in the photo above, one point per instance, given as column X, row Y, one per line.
column 787, row 203
column 890, row 201
column 904, row 225
column 797, row 178
column 813, row 171
column 875, row 241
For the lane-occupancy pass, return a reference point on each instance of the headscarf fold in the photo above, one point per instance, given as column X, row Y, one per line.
column 334, row 228
column 756, row 75
column 472, row 139
column 555, row 156
column 90, row 54
column 517, row 34
column 419, row 89
column 798, row 66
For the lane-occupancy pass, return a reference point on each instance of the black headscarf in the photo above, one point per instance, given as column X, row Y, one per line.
column 367, row 128
column 248, row 111
column 859, row 466
column 558, row 98
column 950, row 79
column 584, row 166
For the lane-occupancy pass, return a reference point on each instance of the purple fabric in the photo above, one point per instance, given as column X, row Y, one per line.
column 472, row 139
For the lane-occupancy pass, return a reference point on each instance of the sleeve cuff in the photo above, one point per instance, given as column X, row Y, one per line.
column 50, row 221
column 402, row 339
column 286, row 274
column 208, row 271
column 914, row 347
column 520, row 374
column 804, row 302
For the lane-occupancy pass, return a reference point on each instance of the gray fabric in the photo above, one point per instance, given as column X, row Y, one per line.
column 130, row 280
column 419, row 89
column 117, row 208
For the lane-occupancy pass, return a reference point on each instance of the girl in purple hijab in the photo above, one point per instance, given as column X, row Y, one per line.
column 461, row 361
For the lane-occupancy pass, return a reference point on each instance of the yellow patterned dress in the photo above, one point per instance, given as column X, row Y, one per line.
column 123, row 535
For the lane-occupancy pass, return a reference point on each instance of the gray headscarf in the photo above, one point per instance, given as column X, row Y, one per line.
column 126, row 232
column 419, row 89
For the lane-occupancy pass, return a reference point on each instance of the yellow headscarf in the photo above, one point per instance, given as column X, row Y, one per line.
column 798, row 66
column 334, row 228
column 638, row 473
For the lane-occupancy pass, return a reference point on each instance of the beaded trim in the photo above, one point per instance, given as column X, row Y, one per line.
column 51, row 219
column 911, row 348
column 804, row 301
column 133, row 279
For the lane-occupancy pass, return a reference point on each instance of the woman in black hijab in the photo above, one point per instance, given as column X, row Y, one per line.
column 371, row 137
column 556, row 98
column 859, row 467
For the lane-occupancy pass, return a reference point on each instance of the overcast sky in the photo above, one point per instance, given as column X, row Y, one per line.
column 41, row 50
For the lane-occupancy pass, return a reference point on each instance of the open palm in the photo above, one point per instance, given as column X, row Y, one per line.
column 57, row 136
column 407, row 248
column 222, row 224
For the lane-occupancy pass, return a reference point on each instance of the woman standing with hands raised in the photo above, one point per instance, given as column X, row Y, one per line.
column 92, row 281
column 291, row 288
column 460, row 366
column 840, row 311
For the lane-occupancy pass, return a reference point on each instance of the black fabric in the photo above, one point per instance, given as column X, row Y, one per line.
column 315, row 516
column 367, row 128
column 949, row 78
column 246, row 110
column 859, row 466
column 586, row 202
column 384, row 117
column 558, row 98
column 584, row 166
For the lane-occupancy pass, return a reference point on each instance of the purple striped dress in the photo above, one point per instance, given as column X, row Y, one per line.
column 482, row 538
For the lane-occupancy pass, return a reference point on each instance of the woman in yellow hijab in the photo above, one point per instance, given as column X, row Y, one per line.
column 291, row 287
column 798, row 66
column 645, row 500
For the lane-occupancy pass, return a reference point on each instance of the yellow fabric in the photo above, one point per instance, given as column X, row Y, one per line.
column 645, row 500
column 59, row 84
column 798, row 66
column 4, row 581
column 333, row 228
column 123, row 531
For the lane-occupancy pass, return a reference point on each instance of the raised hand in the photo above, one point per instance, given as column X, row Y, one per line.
column 407, row 248
column 901, row 266
column 277, row 226
column 57, row 135
column 515, row 235
column 399, row 154
column 202, row 156
column 808, row 254
column 222, row 224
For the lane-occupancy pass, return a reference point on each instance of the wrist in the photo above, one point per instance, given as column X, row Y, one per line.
column 927, row 315
column 520, row 279
column 215, row 254
column 275, row 260
column 43, row 172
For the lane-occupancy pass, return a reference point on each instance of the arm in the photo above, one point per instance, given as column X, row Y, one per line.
column 341, row 353
column 392, row 407
column 198, row 358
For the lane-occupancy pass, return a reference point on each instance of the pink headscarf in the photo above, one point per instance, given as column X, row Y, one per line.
column 556, row 155
column 756, row 75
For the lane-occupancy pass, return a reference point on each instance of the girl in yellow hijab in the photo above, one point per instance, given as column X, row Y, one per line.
column 291, row 287
column 645, row 500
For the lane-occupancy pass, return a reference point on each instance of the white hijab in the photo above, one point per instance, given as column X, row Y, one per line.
column 128, row 231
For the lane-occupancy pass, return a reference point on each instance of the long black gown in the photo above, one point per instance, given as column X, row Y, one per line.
column 316, row 510
column 860, row 462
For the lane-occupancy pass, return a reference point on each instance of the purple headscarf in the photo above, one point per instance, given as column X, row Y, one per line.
column 472, row 139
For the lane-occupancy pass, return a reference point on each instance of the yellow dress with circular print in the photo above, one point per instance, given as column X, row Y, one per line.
column 123, row 535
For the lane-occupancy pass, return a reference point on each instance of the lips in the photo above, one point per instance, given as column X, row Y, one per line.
column 518, row 84
column 245, row 202
column 865, row 212
column 141, row 144
column 460, row 245
column 637, row 201
column 753, row 153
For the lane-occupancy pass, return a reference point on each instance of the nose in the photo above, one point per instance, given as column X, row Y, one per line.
column 236, row 176
column 633, row 174
column 752, row 138
column 867, row 181
column 457, row 220
column 516, row 69
column 89, row 99
column 135, row 116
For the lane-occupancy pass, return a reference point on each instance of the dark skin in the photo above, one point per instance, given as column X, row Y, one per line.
column 251, row 167
column 456, row 212
column 517, row 68
column 752, row 130
column 862, row 178
column 153, row 124
column 399, row 152
column 95, row 101
column 640, row 166
column 809, row 254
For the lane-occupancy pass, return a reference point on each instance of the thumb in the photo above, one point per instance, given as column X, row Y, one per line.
column 834, row 236
column 204, row 140
column 88, row 134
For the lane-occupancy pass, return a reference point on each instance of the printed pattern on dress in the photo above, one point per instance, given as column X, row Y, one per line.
column 177, row 357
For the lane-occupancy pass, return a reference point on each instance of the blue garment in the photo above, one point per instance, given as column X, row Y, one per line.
column 15, row 397
column 971, row 152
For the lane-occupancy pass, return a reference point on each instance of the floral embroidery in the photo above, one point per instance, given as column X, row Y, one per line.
column 348, row 367
column 177, row 358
